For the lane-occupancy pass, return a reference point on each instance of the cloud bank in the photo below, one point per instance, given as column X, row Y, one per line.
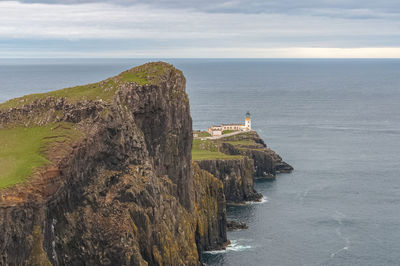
column 122, row 28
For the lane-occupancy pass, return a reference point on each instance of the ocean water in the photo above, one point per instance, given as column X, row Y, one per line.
column 337, row 122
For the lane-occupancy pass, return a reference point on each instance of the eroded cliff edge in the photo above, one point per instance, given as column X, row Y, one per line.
column 117, row 186
column 237, row 160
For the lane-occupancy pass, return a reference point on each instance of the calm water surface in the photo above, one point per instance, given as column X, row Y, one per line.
column 336, row 121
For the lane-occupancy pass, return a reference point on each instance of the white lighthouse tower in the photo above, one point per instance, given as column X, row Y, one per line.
column 247, row 121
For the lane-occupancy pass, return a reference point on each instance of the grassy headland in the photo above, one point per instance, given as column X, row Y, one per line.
column 25, row 148
column 149, row 73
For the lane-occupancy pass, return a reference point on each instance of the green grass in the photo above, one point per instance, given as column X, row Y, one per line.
column 150, row 73
column 241, row 142
column 101, row 90
column 104, row 90
column 23, row 149
column 139, row 78
column 240, row 136
column 208, row 150
column 202, row 134
column 228, row 131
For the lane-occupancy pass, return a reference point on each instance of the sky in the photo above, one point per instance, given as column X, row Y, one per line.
column 200, row 29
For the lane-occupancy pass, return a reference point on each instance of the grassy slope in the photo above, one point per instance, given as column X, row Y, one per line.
column 202, row 134
column 245, row 135
column 228, row 131
column 208, row 150
column 23, row 149
column 241, row 142
column 104, row 90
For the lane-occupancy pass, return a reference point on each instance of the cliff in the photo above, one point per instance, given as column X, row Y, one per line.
column 267, row 163
column 236, row 160
column 236, row 175
column 102, row 174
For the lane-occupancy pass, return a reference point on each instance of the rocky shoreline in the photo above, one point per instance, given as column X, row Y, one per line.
column 238, row 174
column 124, row 190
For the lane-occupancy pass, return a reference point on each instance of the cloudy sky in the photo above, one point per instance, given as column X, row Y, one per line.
column 194, row 28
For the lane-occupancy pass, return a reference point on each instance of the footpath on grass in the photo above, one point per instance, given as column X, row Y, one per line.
column 224, row 135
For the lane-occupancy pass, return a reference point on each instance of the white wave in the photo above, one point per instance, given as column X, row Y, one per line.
column 214, row 251
column 340, row 250
column 303, row 196
column 339, row 217
column 264, row 199
column 235, row 246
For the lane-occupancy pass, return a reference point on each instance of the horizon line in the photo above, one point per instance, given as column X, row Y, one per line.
column 235, row 58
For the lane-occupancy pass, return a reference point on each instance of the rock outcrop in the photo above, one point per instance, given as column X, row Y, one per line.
column 210, row 211
column 267, row 163
column 123, row 193
column 236, row 175
column 251, row 159
column 233, row 225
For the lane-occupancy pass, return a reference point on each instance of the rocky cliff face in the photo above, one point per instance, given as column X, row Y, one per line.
column 236, row 175
column 267, row 163
column 125, row 192
column 210, row 210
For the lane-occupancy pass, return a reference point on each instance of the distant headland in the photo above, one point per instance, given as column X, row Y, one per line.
column 236, row 154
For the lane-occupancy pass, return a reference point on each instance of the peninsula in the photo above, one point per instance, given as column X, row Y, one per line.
column 235, row 154
column 109, row 174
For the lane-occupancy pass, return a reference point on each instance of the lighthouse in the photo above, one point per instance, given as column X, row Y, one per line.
column 247, row 121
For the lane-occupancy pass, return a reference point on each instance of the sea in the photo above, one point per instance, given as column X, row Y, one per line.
column 336, row 121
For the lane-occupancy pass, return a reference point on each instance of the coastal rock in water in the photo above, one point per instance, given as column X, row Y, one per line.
column 124, row 192
column 233, row 225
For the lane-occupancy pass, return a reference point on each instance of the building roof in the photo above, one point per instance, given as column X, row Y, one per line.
column 231, row 124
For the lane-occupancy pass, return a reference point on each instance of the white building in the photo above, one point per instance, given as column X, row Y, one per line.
column 217, row 130
column 247, row 121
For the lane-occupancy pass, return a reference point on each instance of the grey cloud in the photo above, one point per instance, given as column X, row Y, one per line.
column 207, row 28
column 349, row 8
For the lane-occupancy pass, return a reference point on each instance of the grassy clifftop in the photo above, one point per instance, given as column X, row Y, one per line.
column 150, row 73
column 210, row 149
column 25, row 143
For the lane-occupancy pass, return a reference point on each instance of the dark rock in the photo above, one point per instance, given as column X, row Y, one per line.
column 236, row 225
column 267, row 163
column 124, row 194
column 237, row 177
column 210, row 204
